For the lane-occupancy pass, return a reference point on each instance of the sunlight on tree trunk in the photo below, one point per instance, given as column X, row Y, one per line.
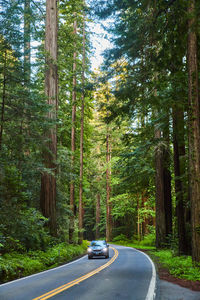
column 73, row 142
column 82, row 140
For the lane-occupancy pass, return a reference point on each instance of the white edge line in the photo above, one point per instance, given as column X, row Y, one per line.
column 36, row 274
column 152, row 286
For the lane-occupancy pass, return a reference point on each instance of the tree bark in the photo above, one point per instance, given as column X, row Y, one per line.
column 108, row 189
column 27, row 42
column 48, row 181
column 73, row 145
column 82, row 141
column 179, row 171
column 138, row 218
column 98, row 216
column 167, row 181
column 160, row 200
column 193, row 132
column 3, row 98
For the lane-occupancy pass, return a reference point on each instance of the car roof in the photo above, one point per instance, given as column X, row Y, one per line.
column 98, row 241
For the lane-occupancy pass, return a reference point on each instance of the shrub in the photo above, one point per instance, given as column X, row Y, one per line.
column 120, row 237
column 17, row 265
column 149, row 240
column 179, row 266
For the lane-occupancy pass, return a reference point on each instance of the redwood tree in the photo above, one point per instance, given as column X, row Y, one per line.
column 160, row 201
column 27, row 41
column 48, row 180
column 73, row 142
column 193, row 131
column 108, row 188
column 82, row 141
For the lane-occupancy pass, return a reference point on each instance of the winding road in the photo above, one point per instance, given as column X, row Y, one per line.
column 128, row 274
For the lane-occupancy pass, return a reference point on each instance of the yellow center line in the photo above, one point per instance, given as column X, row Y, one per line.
column 78, row 280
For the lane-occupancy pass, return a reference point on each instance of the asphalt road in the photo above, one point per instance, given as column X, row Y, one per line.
column 127, row 274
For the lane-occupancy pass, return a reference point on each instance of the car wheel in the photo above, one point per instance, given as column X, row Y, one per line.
column 89, row 257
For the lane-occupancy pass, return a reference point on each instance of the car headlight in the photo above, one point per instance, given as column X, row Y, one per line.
column 89, row 250
column 105, row 249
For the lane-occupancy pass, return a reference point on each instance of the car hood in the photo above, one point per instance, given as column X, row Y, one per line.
column 97, row 247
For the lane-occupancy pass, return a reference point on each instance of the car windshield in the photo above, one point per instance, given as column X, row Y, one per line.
column 96, row 243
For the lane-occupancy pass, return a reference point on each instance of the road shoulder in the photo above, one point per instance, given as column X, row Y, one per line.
column 172, row 288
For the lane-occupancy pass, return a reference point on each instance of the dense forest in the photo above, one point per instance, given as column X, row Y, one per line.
column 112, row 153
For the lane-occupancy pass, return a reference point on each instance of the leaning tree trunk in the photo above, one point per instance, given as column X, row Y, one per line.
column 81, row 141
column 193, row 132
column 73, row 145
column 48, row 181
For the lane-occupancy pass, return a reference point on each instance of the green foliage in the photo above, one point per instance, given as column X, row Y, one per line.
column 135, row 244
column 16, row 265
column 120, row 237
column 27, row 232
column 23, row 122
column 148, row 241
column 179, row 266
column 123, row 205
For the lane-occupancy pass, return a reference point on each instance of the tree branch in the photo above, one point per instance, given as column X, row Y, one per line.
column 42, row 12
column 164, row 9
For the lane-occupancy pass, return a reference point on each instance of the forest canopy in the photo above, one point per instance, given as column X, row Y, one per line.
column 109, row 153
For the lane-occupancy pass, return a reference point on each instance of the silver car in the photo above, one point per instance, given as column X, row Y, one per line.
column 98, row 248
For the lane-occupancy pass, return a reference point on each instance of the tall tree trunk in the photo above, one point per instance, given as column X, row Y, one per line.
column 73, row 145
column 3, row 98
column 160, row 201
column 108, row 188
column 81, row 140
column 193, row 132
column 98, row 216
column 167, row 180
column 179, row 171
column 138, row 218
column 48, row 181
column 27, row 42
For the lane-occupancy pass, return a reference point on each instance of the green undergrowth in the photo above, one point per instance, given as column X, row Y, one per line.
column 15, row 265
column 136, row 245
column 178, row 266
column 148, row 242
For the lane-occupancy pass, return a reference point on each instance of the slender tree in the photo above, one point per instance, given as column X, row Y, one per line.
column 3, row 96
column 27, row 41
column 48, row 180
column 160, row 202
column 73, row 142
column 82, row 140
column 98, row 212
column 167, row 179
column 108, row 187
